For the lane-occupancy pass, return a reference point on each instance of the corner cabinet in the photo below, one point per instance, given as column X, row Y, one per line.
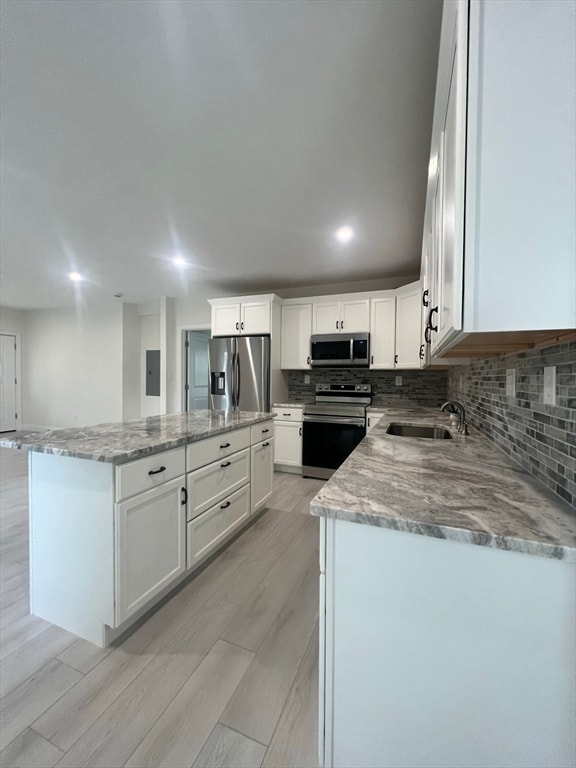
column 499, row 228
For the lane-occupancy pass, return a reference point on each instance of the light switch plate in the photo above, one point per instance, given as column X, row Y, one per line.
column 511, row 382
column 549, row 393
column 398, row 381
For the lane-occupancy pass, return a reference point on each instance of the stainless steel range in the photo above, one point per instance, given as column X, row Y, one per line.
column 333, row 426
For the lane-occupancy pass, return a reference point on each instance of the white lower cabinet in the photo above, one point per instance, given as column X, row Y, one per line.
column 209, row 530
column 150, row 547
column 262, row 473
column 288, row 444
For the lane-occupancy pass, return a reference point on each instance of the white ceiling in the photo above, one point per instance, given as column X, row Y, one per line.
column 241, row 133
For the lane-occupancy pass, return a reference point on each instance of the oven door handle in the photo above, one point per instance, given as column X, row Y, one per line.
column 351, row 420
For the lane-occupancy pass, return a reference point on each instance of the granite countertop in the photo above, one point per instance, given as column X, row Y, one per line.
column 464, row 489
column 123, row 441
column 293, row 404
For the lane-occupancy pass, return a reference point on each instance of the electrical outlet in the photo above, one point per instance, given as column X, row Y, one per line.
column 398, row 381
column 306, row 378
column 549, row 393
column 511, row 382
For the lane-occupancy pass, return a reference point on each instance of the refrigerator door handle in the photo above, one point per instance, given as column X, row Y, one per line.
column 237, row 405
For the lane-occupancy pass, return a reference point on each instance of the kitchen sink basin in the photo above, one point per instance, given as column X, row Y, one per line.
column 409, row 430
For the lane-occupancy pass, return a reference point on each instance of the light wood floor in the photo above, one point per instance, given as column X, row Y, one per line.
column 224, row 674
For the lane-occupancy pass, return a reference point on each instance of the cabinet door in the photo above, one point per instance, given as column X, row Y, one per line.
column 355, row 316
column 226, row 320
column 451, row 252
column 210, row 530
column 256, row 318
column 383, row 332
column 150, row 545
column 326, row 317
column 296, row 331
column 408, row 329
column 288, row 443
column 262, row 472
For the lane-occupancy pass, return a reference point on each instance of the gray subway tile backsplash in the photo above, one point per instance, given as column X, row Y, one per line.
column 540, row 437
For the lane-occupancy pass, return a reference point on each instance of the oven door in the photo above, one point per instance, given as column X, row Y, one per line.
column 327, row 442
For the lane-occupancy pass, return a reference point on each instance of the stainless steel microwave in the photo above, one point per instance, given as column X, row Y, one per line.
column 340, row 350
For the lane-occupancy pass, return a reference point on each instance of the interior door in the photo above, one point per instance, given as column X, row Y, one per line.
column 7, row 383
column 197, row 370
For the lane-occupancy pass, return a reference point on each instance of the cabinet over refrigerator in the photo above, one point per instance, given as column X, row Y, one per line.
column 239, row 373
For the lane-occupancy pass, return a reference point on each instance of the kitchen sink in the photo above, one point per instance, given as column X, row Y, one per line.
column 409, row 430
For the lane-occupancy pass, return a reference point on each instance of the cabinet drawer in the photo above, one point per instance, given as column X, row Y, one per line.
column 288, row 414
column 203, row 452
column 209, row 484
column 263, row 431
column 209, row 530
column 149, row 472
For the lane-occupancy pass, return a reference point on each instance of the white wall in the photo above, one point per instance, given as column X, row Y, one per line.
column 12, row 320
column 72, row 367
column 131, row 362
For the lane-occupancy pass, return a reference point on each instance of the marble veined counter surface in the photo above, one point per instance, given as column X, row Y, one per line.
column 123, row 441
column 464, row 489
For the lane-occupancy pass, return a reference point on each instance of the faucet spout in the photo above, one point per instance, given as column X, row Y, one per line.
column 456, row 407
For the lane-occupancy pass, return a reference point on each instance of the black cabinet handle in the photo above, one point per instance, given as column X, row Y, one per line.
column 308, row 361
column 185, row 499
column 432, row 327
column 286, row 414
column 427, row 337
column 395, row 359
column 157, row 471
column 421, row 355
column 226, row 445
column 226, row 464
column 336, row 324
column 237, row 326
column 372, row 360
column 264, row 431
column 425, row 301
column 300, row 432
column 242, row 326
column 341, row 325
column 265, row 445
column 225, row 505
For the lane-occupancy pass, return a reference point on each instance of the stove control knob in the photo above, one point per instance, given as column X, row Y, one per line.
column 365, row 388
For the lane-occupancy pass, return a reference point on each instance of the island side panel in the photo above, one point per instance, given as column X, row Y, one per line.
column 72, row 543
column 447, row 654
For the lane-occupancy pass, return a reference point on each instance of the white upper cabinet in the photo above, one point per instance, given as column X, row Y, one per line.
column 349, row 316
column 296, row 331
column 502, row 176
column 382, row 332
column 408, row 326
column 251, row 315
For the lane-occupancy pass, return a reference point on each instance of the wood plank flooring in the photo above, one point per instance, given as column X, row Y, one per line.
column 224, row 674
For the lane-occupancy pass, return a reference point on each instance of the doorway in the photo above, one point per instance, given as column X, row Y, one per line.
column 196, row 370
column 8, row 382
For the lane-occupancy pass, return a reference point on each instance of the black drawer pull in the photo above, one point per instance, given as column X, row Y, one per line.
column 226, row 464
column 157, row 471
column 265, row 430
column 225, row 505
column 265, row 445
column 226, row 445
column 286, row 414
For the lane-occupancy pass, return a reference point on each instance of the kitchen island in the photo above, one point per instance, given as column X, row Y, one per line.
column 448, row 607
column 121, row 513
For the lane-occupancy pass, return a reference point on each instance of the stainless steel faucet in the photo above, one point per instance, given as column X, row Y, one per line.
column 459, row 408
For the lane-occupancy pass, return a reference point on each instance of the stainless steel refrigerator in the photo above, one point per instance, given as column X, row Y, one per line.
column 239, row 373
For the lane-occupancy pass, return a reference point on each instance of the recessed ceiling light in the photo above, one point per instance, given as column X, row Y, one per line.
column 344, row 234
column 179, row 260
column 76, row 277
